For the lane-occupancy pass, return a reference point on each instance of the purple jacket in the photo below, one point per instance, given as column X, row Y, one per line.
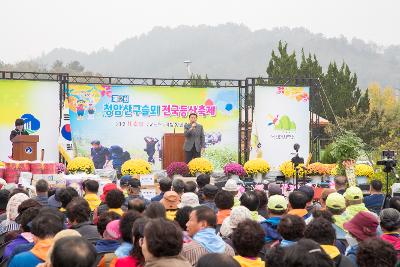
column 19, row 240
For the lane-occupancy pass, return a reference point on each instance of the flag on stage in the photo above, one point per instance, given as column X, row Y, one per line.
column 64, row 138
column 256, row 146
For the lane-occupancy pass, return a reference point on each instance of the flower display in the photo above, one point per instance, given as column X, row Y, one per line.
column 287, row 168
column 60, row 168
column 81, row 164
column 200, row 165
column 364, row 170
column 135, row 166
column 334, row 171
column 255, row 166
column 180, row 168
column 2, row 164
column 319, row 168
column 234, row 169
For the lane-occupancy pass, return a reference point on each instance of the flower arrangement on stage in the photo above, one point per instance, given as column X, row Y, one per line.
column 200, row 165
column 287, row 168
column 60, row 168
column 135, row 166
column 81, row 164
column 234, row 169
column 319, row 168
column 178, row 168
column 2, row 164
column 255, row 166
column 364, row 170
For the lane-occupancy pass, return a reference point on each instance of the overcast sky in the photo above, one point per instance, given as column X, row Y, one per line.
column 31, row 27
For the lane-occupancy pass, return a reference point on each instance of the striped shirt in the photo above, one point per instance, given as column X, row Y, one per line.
column 12, row 226
column 193, row 251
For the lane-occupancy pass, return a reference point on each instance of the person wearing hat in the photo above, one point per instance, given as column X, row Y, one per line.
column 19, row 129
column 277, row 207
column 361, row 227
column 390, row 224
column 336, row 204
column 170, row 202
column 133, row 190
column 189, row 199
column 238, row 214
column 232, row 187
column 100, row 154
column 110, row 243
column 324, row 195
column 354, row 201
column 209, row 192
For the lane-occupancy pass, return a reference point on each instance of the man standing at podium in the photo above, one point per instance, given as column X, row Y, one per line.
column 19, row 129
column 194, row 139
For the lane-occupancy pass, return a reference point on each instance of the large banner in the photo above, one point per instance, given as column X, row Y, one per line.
column 136, row 118
column 38, row 104
column 281, row 119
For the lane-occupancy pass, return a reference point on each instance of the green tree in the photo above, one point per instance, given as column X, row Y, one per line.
column 282, row 66
column 342, row 92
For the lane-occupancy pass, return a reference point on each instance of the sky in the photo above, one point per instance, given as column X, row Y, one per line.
column 32, row 27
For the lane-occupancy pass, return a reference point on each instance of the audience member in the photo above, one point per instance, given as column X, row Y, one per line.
column 336, row 204
column 78, row 214
column 73, row 251
column 178, row 185
column 376, row 252
column 91, row 188
column 155, row 210
column 251, row 201
column 190, row 187
column 390, row 225
column 137, row 205
column 340, row 184
column 230, row 223
column 189, row 199
column 306, row 253
column 201, row 227
column 114, row 200
column 133, row 190
column 9, row 223
column 248, row 240
column 217, row 260
column 209, row 192
column 298, row 203
column 224, row 201
column 324, row 195
column 162, row 244
column 354, row 202
column 42, row 189
column 262, row 208
column 321, row 231
column 232, row 187
column 170, row 201
column 362, row 226
column 291, row 228
column 164, row 185
column 277, row 207
column 181, row 218
column 374, row 202
column 274, row 189
column 202, row 180
column 395, row 203
column 125, row 225
column 44, row 227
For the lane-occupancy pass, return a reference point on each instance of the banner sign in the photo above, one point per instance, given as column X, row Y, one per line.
column 135, row 118
column 281, row 119
column 37, row 103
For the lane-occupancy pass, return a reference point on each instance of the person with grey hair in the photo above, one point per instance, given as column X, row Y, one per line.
column 390, row 224
column 178, row 186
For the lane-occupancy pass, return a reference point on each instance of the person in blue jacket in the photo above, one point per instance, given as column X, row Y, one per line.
column 277, row 207
column 118, row 157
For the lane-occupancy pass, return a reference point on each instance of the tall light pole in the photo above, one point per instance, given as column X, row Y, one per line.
column 188, row 62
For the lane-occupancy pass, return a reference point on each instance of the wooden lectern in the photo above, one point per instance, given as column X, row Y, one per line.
column 173, row 148
column 25, row 147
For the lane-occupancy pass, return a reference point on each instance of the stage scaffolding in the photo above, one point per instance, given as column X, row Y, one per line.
column 246, row 93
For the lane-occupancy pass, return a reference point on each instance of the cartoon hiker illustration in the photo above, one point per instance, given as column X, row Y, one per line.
column 80, row 109
column 91, row 111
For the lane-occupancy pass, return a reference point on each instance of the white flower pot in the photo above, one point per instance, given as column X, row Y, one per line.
column 176, row 176
column 258, row 177
column 234, row 177
column 362, row 180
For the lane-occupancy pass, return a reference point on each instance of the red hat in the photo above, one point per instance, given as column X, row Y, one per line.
column 362, row 226
column 107, row 188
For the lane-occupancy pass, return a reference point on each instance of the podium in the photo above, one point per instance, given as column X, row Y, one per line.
column 25, row 147
column 173, row 148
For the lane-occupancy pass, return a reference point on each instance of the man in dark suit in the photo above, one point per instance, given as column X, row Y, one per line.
column 19, row 129
column 194, row 139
